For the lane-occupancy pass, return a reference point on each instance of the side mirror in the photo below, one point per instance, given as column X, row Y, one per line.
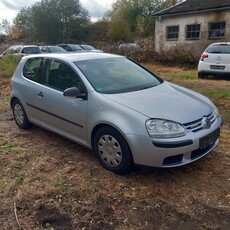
column 74, row 92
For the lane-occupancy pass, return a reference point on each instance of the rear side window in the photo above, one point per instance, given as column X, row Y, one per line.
column 32, row 69
column 221, row 49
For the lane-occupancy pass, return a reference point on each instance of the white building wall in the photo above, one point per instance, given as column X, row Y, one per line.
column 195, row 47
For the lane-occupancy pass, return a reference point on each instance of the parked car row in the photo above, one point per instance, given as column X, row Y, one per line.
column 79, row 48
column 23, row 50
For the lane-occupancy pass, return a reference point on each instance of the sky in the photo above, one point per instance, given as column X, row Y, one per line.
column 10, row 8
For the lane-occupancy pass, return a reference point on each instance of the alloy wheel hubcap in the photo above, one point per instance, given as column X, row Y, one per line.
column 110, row 150
column 18, row 114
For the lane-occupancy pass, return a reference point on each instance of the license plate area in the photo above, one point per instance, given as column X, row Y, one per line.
column 219, row 67
column 209, row 139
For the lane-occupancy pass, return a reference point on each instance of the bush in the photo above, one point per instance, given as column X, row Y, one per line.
column 8, row 65
column 169, row 58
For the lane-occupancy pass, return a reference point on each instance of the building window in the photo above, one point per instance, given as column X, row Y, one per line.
column 216, row 30
column 172, row 32
column 193, row 31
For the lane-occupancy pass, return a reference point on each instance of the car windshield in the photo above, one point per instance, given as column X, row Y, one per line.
column 75, row 47
column 223, row 49
column 117, row 75
column 88, row 47
column 56, row 49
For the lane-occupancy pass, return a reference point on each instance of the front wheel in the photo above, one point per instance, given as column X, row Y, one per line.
column 20, row 116
column 113, row 151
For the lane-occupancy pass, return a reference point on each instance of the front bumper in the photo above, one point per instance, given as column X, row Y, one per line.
column 174, row 152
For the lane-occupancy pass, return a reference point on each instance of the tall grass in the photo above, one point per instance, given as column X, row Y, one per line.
column 8, row 65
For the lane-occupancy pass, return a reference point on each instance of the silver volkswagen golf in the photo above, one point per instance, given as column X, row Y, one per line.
column 114, row 106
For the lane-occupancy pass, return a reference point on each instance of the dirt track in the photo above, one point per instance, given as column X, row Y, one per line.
column 48, row 182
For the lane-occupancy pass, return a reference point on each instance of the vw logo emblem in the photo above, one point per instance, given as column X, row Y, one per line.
column 206, row 123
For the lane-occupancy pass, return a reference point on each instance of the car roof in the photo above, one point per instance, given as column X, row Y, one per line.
column 220, row 43
column 22, row 46
column 50, row 46
column 68, row 56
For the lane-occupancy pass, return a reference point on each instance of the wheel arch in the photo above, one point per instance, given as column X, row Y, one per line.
column 12, row 100
column 102, row 125
column 126, row 161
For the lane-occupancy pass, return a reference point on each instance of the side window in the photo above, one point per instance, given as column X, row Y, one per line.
column 60, row 76
column 172, row 32
column 67, row 48
column 32, row 69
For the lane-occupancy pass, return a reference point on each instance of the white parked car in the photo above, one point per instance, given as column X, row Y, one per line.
column 116, row 107
column 21, row 50
column 215, row 60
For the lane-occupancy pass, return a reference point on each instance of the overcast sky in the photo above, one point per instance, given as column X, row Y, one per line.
column 10, row 8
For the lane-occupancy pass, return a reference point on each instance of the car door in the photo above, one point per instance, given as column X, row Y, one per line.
column 64, row 115
column 29, row 87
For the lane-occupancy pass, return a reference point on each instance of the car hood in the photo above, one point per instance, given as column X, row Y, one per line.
column 166, row 101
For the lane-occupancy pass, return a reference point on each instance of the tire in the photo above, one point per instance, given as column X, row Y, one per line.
column 20, row 115
column 113, row 151
column 201, row 75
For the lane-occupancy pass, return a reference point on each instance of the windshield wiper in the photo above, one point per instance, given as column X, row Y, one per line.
column 146, row 87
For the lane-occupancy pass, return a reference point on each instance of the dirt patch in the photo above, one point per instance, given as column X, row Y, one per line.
column 48, row 182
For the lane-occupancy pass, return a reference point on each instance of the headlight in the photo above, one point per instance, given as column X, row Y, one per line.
column 164, row 129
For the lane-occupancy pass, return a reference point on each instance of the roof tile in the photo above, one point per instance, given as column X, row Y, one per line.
column 190, row 6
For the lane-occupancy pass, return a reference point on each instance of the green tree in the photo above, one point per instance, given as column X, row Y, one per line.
column 138, row 14
column 97, row 31
column 53, row 21
column 119, row 31
column 2, row 38
column 5, row 26
column 168, row 3
column 23, row 22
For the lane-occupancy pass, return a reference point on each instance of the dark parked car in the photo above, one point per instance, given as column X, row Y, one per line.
column 90, row 48
column 72, row 48
column 52, row 49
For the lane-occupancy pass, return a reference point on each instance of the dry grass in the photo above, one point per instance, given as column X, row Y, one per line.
column 48, row 182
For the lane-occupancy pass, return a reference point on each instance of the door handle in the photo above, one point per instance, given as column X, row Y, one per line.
column 40, row 94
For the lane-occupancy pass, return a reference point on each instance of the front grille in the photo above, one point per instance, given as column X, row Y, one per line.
column 197, row 125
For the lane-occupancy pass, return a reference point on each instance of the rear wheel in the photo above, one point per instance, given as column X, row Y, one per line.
column 201, row 75
column 113, row 151
column 20, row 116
